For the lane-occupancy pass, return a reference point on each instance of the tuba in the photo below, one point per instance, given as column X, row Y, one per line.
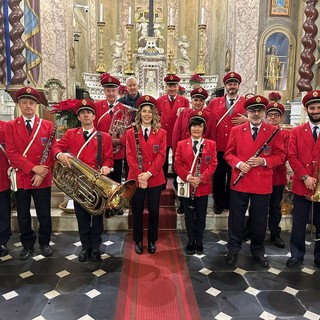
column 119, row 125
column 315, row 197
column 90, row 189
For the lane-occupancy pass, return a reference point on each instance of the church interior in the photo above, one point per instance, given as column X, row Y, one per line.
column 61, row 48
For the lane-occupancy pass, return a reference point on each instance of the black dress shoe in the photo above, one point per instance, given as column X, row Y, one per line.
column 46, row 251
column 292, row 262
column 190, row 249
column 262, row 261
column 231, row 258
column 152, row 247
column 199, row 248
column 3, row 250
column 26, row 253
column 180, row 210
column 95, row 255
column 139, row 248
column 217, row 210
column 277, row 241
column 84, row 255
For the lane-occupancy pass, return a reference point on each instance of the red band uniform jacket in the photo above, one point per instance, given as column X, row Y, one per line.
column 303, row 152
column 183, row 161
column 241, row 147
column 103, row 124
column 280, row 172
column 73, row 140
column 181, row 132
column 218, row 108
column 17, row 140
column 4, row 165
column 167, row 115
column 153, row 153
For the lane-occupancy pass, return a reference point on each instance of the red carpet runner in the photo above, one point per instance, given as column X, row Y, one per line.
column 156, row 287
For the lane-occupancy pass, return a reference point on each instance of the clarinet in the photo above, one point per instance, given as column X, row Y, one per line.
column 196, row 174
column 47, row 148
column 256, row 155
column 139, row 155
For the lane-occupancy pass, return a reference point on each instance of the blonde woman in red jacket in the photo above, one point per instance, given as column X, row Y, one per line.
column 195, row 207
column 146, row 151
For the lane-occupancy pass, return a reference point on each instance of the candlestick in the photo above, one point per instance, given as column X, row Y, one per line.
column 101, row 13
column 101, row 67
column 202, row 16
column 129, row 67
column 129, row 16
column 171, row 69
column 171, row 17
column 201, row 69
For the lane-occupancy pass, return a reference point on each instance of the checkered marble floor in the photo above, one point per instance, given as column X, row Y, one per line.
column 60, row 287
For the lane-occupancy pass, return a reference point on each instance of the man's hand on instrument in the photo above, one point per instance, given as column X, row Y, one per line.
column 41, row 170
column 255, row 162
column 106, row 170
column 37, row 180
column 310, row 183
column 239, row 120
column 244, row 167
column 64, row 159
column 194, row 181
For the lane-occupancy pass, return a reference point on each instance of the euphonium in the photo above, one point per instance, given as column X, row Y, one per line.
column 315, row 197
column 90, row 189
column 119, row 126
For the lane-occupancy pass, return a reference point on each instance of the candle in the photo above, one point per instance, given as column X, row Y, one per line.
column 101, row 13
column 129, row 16
column 171, row 17
column 202, row 15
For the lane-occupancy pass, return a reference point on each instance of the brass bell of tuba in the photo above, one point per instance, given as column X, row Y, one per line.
column 315, row 197
column 90, row 189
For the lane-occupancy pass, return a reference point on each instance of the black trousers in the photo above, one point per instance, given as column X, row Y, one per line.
column 42, row 202
column 275, row 210
column 116, row 175
column 90, row 228
column 259, row 204
column 221, row 183
column 166, row 163
column 302, row 208
column 195, row 219
column 152, row 195
column 5, row 216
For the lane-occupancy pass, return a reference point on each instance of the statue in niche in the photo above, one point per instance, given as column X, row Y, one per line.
column 183, row 45
column 157, row 26
column 273, row 67
column 142, row 29
column 118, row 47
column 227, row 67
column 150, row 87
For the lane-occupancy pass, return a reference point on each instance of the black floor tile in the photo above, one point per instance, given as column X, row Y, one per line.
column 103, row 307
column 264, row 281
column 310, row 299
column 227, row 281
column 76, row 283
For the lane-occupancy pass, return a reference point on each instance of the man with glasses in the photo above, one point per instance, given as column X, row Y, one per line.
column 255, row 186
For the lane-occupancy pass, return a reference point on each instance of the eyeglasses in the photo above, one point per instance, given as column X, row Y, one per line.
column 253, row 111
column 274, row 115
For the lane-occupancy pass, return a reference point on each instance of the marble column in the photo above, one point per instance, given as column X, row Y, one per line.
column 18, row 45
column 309, row 44
column 2, row 48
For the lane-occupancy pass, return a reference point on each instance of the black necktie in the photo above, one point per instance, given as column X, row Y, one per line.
column 86, row 135
column 111, row 110
column 146, row 134
column 195, row 142
column 255, row 133
column 231, row 102
column 28, row 125
column 314, row 133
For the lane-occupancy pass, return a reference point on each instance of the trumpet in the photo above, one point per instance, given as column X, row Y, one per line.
column 119, row 125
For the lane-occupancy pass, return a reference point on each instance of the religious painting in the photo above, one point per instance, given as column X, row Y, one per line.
column 280, row 7
column 276, row 62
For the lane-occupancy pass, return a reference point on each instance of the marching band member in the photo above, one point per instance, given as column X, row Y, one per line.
column 104, row 114
column 304, row 153
column 256, row 185
column 26, row 139
column 83, row 144
column 146, row 150
column 204, row 150
column 168, row 106
column 5, row 199
column 228, row 112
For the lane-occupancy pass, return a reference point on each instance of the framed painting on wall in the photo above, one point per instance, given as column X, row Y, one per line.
column 280, row 7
